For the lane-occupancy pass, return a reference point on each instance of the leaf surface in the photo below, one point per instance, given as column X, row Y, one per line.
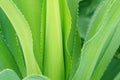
column 53, row 60
column 11, row 40
column 21, row 26
column 36, row 77
column 34, row 13
column 98, row 49
column 113, row 69
column 8, row 74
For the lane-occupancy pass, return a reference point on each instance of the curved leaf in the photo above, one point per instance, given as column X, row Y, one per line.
column 8, row 74
column 36, row 77
column 71, row 37
column 113, row 69
column 33, row 12
column 12, row 42
column 6, row 59
column 98, row 49
column 21, row 26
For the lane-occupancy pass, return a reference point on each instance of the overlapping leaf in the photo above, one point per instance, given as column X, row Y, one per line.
column 6, row 59
column 9, row 74
column 98, row 49
column 113, row 69
column 54, row 60
column 117, row 76
column 25, row 39
column 32, row 11
column 71, row 37
column 36, row 77
column 12, row 42
column 48, row 29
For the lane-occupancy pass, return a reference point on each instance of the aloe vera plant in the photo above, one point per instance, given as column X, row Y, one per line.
column 59, row 40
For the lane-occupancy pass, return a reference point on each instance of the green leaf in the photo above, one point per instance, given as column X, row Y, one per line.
column 6, row 59
column 96, row 22
column 92, row 7
column 53, row 60
column 113, row 69
column 73, row 39
column 83, row 23
column 21, row 26
column 114, row 40
column 98, row 49
column 66, row 26
column 117, row 55
column 117, row 76
column 33, row 12
column 12, row 42
column 86, row 11
column 8, row 74
column 36, row 77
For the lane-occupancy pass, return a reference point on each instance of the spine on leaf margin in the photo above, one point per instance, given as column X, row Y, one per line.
column 25, row 39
